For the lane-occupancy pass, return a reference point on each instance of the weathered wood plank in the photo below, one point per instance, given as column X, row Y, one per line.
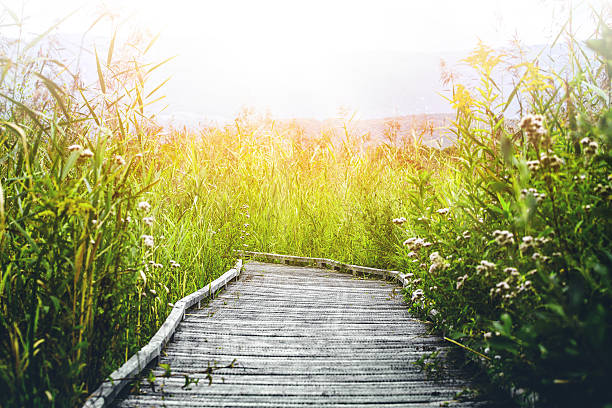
column 301, row 336
column 118, row 379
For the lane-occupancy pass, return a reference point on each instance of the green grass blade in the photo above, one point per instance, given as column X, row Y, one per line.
column 100, row 74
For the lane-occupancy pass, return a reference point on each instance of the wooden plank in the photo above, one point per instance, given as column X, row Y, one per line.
column 327, row 263
column 301, row 336
column 118, row 379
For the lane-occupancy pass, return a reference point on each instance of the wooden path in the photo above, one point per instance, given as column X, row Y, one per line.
column 300, row 336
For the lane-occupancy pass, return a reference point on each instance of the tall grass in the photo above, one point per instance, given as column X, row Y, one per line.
column 510, row 248
column 105, row 220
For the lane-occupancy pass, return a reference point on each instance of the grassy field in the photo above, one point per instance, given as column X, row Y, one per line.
column 105, row 220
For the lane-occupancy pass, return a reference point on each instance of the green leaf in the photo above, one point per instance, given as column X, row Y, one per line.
column 100, row 74
column 109, row 57
column 72, row 159
column 556, row 308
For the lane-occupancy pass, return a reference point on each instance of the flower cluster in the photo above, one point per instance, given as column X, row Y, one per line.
column 552, row 161
column 174, row 264
column 534, row 193
column 528, row 242
column 533, row 165
column 399, row 221
column 437, row 262
column 148, row 220
column 443, row 211
column 155, row 265
column 414, row 243
column 511, row 271
column 603, row 190
column 147, row 240
column 461, row 281
column 417, row 295
column 119, row 160
column 589, row 147
column 144, row 206
column 485, row 267
column 503, row 238
column 533, row 125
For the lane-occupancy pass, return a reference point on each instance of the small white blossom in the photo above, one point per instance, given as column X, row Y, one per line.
column 443, row 211
column 553, row 161
column 503, row 238
column 485, row 266
column 74, row 147
column 148, row 220
column 533, row 165
column 399, row 221
column 144, row 206
column 147, row 240
column 119, row 160
column 511, row 271
column 461, row 281
column 533, row 125
column 417, row 294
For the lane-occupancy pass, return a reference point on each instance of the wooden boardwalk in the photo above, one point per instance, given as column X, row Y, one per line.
column 300, row 336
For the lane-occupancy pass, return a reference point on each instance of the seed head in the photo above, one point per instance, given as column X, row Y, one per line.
column 86, row 153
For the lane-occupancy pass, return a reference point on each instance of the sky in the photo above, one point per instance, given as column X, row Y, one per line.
column 309, row 58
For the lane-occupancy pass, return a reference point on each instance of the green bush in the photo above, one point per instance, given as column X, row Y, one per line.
column 518, row 230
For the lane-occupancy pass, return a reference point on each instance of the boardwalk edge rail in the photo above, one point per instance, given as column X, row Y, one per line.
column 401, row 278
column 118, row 379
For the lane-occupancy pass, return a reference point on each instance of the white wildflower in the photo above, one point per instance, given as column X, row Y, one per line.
column 533, row 165
column 553, row 161
column 148, row 241
column 533, row 125
column 461, row 281
column 443, row 211
column 511, row 271
column 503, row 285
column 144, row 206
column 119, row 160
column 399, row 221
column 148, row 220
column 527, row 243
column 417, row 294
column 438, row 262
column 503, row 238
column 74, row 147
column 485, row 266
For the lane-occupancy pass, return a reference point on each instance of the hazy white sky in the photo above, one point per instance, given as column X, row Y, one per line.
column 277, row 54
